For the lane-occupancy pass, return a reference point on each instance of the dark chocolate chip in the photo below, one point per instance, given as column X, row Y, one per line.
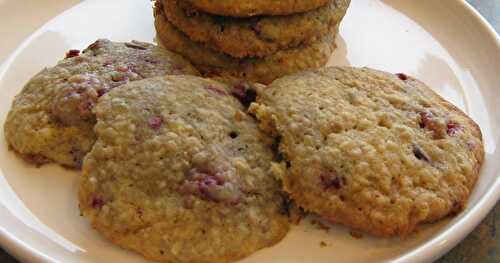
column 402, row 76
column 135, row 46
column 421, row 154
column 73, row 53
column 244, row 94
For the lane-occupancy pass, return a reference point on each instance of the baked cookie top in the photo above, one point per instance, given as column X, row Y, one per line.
column 371, row 150
column 180, row 173
column 246, row 8
column 261, row 70
column 52, row 119
column 257, row 36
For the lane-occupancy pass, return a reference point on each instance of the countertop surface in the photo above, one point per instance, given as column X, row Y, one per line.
column 482, row 245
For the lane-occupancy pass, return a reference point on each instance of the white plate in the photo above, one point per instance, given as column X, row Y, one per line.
column 444, row 43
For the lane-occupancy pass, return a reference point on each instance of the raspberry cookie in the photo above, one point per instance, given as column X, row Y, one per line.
column 52, row 119
column 371, row 150
column 180, row 173
column 261, row 70
column 258, row 36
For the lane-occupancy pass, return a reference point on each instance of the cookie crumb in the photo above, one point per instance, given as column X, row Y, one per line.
column 319, row 225
column 323, row 244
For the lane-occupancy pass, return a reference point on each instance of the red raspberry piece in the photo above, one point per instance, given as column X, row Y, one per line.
column 215, row 90
column 453, row 128
column 155, row 122
column 97, row 203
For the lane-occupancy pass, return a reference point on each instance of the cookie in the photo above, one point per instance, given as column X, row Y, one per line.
column 371, row 150
column 180, row 173
column 52, row 119
column 258, row 36
column 246, row 8
column 262, row 70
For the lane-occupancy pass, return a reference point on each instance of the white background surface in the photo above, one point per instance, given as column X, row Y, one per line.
column 25, row 16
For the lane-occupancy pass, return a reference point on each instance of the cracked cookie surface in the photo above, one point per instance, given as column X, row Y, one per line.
column 261, row 70
column 52, row 120
column 371, row 150
column 257, row 36
column 180, row 173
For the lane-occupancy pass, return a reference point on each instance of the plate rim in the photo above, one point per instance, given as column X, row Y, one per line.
column 441, row 244
column 431, row 250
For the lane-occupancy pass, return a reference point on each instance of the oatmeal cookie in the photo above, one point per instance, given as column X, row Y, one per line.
column 180, row 173
column 257, row 36
column 52, row 119
column 262, row 70
column 371, row 150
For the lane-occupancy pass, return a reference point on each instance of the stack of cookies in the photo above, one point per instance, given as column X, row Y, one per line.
column 254, row 40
